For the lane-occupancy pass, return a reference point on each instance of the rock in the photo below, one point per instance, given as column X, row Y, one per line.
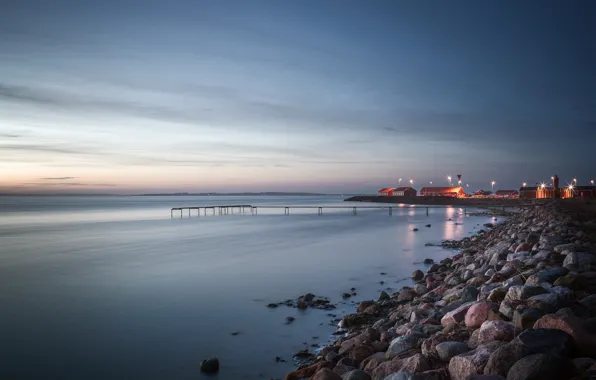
column 413, row 364
column 546, row 303
column 401, row 375
column 326, row 374
column 457, row 315
column 467, row 275
column 589, row 303
column 490, row 273
column 383, row 297
column 472, row 362
column 480, row 312
column 364, row 305
column 356, row 375
column 415, row 229
column 523, row 292
column 578, row 261
column 429, row 261
column 342, row 369
column 434, row 268
column 332, row 357
column 541, row 367
column 501, row 360
column 406, row 295
column 453, row 281
column 290, row 320
column 507, row 309
column 469, row 294
column 523, row 247
column 420, row 289
column 497, row 252
column 497, row 295
column 359, row 353
column 584, row 339
column 496, row 330
column 447, row 350
column 565, row 247
column 210, row 365
column 544, row 341
column 486, row 377
column 583, row 364
column 525, row 317
column 398, row 346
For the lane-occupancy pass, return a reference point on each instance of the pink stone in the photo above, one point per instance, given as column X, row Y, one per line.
column 457, row 315
column 496, row 330
column 479, row 313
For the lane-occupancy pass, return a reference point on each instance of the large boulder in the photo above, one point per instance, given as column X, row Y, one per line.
column 542, row 367
column 403, row 343
column 529, row 342
column 497, row 252
column 472, row 362
column 525, row 317
column 417, row 275
column 480, row 312
column 578, row 261
column 496, row 330
column 583, row 336
column 469, row 294
column 361, row 352
column 356, row 374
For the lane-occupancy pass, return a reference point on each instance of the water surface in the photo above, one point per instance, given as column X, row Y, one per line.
column 112, row 287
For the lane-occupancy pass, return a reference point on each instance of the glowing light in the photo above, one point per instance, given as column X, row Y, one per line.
column 431, row 182
column 524, row 184
column 570, row 187
column 574, row 180
column 592, row 182
column 542, row 186
column 411, row 182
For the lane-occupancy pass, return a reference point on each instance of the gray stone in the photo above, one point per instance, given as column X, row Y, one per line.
column 455, row 280
column 497, row 252
column 525, row 317
column 447, row 350
column 564, row 247
column 523, row 292
column 420, row 289
column 473, row 362
column 417, row 275
column 210, row 365
column 578, row 261
column 583, row 364
column 468, row 274
column 469, row 294
column 490, row 273
column 506, row 308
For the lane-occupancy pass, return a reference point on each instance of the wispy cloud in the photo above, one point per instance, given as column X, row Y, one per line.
column 57, row 178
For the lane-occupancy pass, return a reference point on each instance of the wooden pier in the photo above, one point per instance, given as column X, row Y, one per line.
column 254, row 210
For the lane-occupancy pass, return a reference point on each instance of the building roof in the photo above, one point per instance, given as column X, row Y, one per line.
column 499, row 192
column 447, row 189
column 405, row 188
column 589, row 187
column 482, row 192
column 386, row 189
column 534, row 188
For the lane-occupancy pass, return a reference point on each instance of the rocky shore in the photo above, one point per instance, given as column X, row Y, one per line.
column 517, row 302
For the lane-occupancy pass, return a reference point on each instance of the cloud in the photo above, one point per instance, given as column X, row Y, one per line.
column 9, row 135
column 68, row 184
column 57, row 178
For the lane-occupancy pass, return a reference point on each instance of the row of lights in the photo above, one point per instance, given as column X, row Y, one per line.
column 570, row 187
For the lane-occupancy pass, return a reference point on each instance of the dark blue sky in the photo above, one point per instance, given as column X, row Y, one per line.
column 294, row 95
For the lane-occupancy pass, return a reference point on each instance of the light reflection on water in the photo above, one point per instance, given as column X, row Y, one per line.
column 97, row 287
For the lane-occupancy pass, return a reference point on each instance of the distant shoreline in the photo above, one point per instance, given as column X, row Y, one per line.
column 441, row 201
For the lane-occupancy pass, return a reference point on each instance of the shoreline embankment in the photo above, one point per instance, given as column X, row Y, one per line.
column 516, row 301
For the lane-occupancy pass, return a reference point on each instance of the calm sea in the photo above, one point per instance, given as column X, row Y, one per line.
column 113, row 288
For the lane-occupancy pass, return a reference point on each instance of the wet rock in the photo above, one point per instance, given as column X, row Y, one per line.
column 417, row 275
column 356, row 374
column 402, row 344
column 480, row 312
column 496, row 330
column 332, row 357
column 472, row 362
column 429, row 261
column 210, row 365
column 289, row 320
column 406, row 295
column 383, row 297
column 364, row 305
column 467, row 275
column 326, row 374
column 497, row 295
column 565, row 247
column 447, row 350
column 453, row 281
column 541, row 367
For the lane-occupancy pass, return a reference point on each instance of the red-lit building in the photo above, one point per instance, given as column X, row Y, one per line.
column 584, row 192
column 482, row 193
column 507, row 194
column 386, row 191
column 404, row 192
column 455, row 192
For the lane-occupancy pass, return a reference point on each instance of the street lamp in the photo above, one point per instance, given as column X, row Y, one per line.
column 449, row 179
column 411, row 182
column 575, row 181
column 399, row 182
column 524, row 184
column 592, row 182
column 492, row 185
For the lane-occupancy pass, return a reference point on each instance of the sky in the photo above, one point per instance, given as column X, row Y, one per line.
column 128, row 96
